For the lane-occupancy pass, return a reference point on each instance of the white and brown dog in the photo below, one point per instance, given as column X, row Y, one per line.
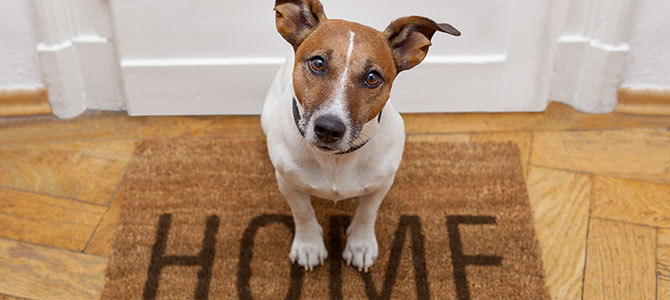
column 331, row 131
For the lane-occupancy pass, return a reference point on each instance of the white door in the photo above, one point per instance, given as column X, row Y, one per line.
column 219, row 57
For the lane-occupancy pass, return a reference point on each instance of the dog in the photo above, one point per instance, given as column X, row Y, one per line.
column 331, row 131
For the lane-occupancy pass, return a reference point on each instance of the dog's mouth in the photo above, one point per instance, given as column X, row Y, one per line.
column 325, row 148
column 337, row 146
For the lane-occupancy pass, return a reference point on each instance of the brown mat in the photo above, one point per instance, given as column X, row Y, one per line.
column 203, row 218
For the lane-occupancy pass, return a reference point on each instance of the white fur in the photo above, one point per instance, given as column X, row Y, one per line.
column 303, row 170
column 343, row 77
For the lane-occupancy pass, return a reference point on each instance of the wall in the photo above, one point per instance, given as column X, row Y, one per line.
column 19, row 64
column 649, row 58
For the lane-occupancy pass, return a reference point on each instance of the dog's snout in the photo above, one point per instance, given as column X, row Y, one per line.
column 329, row 129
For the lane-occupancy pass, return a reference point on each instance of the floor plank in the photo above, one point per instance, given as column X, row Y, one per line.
column 103, row 237
column 454, row 138
column 521, row 139
column 631, row 201
column 99, row 125
column 5, row 297
column 120, row 150
column 621, row 262
column 117, row 125
column 84, row 158
column 557, row 117
column 59, row 173
column 663, row 263
column 47, row 220
column 560, row 202
column 34, row 272
column 640, row 154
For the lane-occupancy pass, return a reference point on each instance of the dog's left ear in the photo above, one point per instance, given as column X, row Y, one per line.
column 296, row 19
column 409, row 39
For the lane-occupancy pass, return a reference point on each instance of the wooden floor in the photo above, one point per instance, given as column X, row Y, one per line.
column 599, row 186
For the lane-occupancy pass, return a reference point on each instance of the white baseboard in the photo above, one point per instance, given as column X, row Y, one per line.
column 196, row 89
column 239, row 85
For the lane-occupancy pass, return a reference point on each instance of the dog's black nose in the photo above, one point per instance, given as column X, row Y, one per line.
column 329, row 129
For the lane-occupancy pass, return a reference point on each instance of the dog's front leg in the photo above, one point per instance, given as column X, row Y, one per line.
column 308, row 249
column 362, row 250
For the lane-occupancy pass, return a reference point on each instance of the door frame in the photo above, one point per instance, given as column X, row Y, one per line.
column 587, row 58
column 78, row 56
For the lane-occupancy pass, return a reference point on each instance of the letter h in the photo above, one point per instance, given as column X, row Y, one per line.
column 204, row 259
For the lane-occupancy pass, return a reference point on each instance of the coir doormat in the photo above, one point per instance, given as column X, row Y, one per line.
column 203, row 219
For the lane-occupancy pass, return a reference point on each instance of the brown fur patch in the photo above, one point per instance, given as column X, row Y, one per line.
column 370, row 52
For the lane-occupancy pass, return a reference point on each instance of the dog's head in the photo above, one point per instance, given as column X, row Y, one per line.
column 344, row 71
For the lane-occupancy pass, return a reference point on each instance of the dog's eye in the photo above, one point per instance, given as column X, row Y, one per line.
column 317, row 64
column 372, row 79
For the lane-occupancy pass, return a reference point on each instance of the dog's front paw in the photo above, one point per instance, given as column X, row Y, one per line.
column 361, row 250
column 308, row 250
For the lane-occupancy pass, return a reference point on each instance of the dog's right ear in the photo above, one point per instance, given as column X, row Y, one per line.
column 296, row 19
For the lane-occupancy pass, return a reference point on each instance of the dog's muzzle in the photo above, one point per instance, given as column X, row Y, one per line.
column 328, row 129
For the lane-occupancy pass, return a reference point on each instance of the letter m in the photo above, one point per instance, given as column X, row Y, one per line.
column 411, row 224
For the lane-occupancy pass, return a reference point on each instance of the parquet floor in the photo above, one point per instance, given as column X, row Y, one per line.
column 599, row 186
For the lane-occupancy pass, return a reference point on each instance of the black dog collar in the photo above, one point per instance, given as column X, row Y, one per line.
column 297, row 117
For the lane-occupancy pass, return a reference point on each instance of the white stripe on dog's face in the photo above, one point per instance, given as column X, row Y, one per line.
column 344, row 75
column 337, row 106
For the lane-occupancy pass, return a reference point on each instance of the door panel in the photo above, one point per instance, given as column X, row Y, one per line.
column 219, row 57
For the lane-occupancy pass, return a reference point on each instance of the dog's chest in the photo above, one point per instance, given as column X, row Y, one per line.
column 340, row 182
column 340, row 188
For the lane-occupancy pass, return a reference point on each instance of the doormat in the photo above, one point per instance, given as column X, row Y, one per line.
column 202, row 218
